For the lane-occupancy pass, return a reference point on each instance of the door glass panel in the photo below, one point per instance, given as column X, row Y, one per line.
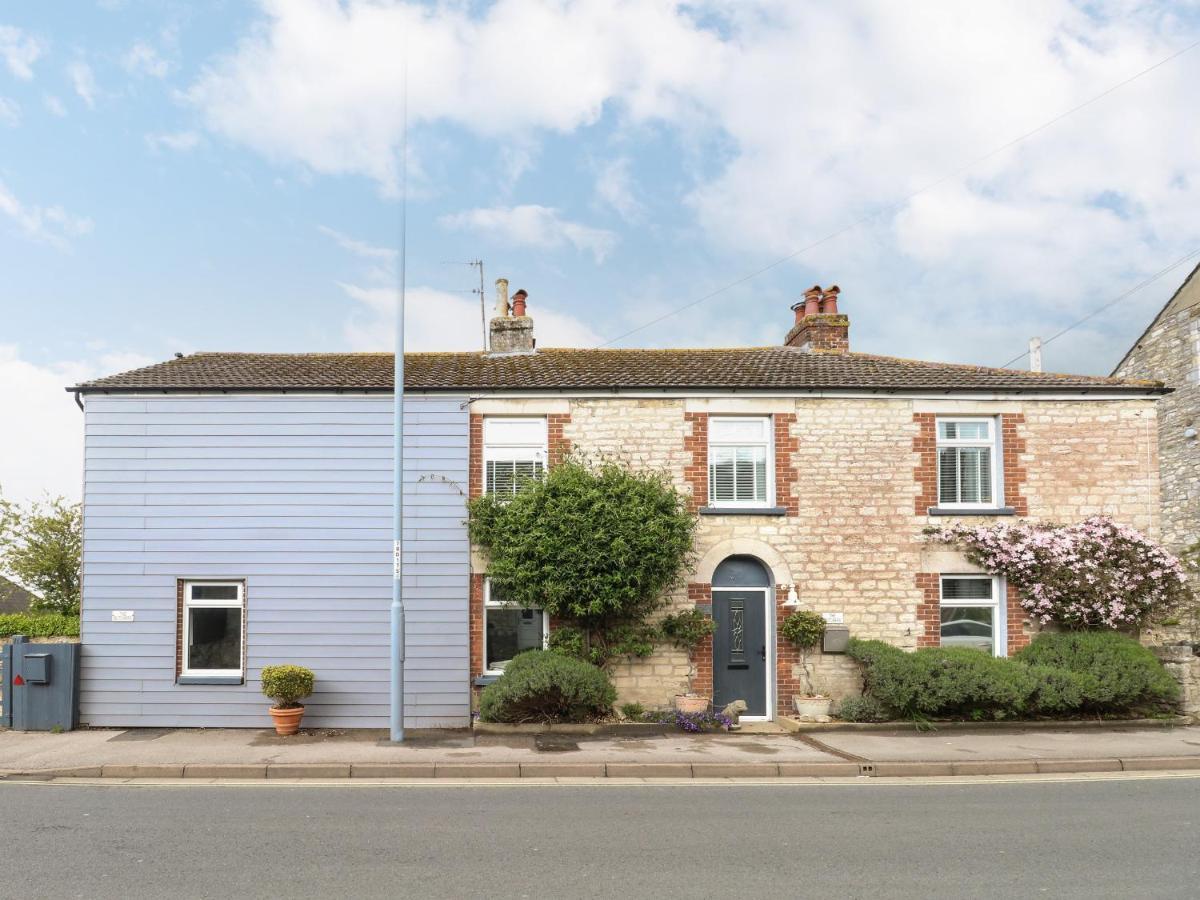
column 737, row 631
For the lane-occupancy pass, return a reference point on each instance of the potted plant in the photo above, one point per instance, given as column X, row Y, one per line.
column 691, row 703
column 287, row 685
column 805, row 629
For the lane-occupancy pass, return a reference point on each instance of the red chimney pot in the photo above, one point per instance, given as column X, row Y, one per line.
column 812, row 300
column 518, row 303
column 829, row 302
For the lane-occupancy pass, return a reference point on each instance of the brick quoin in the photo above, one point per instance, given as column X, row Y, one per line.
column 558, row 446
column 475, row 457
column 475, row 617
column 787, row 660
column 925, row 447
column 1012, row 441
column 929, row 610
column 701, row 656
column 787, row 475
column 1018, row 636
column 696, row 473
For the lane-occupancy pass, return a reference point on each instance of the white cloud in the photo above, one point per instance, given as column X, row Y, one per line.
column 10, row 112
column 83, row 81
column 19, row 51
column 179, row 141
column 51, row 224
column 614, row 187
column 54, row 105
column 319, row 82
column 361, row 249
column 35, row 404
column 531, row 225
column 142, row 59
column 437, row 321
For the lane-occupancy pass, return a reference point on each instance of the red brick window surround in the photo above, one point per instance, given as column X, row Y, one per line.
column 696, row 472
column 476, row 624
column 1012, row 448
column 702, row 654
column 929, row 613
column 787, row 475
column 558, row 447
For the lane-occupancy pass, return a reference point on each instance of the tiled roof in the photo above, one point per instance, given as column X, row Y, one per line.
column 745, row 368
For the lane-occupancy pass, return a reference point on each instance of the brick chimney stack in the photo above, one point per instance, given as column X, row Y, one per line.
column 819, row 326
column 511, row 330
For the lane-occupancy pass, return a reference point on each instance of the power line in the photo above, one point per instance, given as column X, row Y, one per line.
column 1099, row 309
column 898, row 204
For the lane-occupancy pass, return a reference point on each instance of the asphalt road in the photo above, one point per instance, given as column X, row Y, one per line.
column 1084, row 839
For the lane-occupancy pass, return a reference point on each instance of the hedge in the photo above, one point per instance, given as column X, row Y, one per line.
column 547, row 686
column 38, row 625
column 1056, row 675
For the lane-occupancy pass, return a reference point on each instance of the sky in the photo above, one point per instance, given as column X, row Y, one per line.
column 180, row 176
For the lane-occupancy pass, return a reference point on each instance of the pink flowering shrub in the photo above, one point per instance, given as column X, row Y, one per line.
column 1096, row 573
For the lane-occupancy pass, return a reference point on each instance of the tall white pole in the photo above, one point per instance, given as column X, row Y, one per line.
column 397, row 618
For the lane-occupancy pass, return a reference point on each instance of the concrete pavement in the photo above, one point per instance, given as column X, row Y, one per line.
column 217, row 753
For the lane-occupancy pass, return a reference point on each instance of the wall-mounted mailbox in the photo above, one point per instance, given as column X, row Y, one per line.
column 37, row 668
column 837, row 638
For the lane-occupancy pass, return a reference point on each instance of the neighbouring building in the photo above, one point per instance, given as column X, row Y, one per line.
column 13, row 597
column 1169, row 350
column 236, row 509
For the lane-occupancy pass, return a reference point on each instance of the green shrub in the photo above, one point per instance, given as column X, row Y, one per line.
column 287, row 685
column 1118, row 673
column 547, row 686
column 1056, row 675
column 863, row 709
column 634, row 712
column 38, row 625
column 686, row 629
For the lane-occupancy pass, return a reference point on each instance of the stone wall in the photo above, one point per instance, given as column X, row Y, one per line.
column 851, row 539
column 1170, row 352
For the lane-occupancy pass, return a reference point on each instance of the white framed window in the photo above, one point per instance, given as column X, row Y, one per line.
column 514, row 450
column 213, row 628
column 966, row 463
column 509, row 630
column 973, row 614
column 740, row 461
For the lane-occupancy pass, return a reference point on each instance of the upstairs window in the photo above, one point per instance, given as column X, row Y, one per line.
column 739, row 461
column 966, row 454
column 514, row 450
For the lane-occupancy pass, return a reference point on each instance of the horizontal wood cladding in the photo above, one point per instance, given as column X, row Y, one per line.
column 293, row 496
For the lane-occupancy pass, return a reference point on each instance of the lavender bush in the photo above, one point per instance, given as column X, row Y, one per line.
column 1095, row 573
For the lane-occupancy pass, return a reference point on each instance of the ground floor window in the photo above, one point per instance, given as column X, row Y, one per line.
column 972, row 615
column 212, row 615
column 508, row 630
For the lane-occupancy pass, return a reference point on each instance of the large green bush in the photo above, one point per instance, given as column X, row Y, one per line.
column 38, row 625
column 547, row 686
column 596, row 546
column 1119, row 673
column 1056, row 675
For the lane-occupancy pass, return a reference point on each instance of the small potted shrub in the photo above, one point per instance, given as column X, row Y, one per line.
column 805, row 629
column 287, row 686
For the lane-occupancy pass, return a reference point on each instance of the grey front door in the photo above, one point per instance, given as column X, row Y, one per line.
column 740, row 650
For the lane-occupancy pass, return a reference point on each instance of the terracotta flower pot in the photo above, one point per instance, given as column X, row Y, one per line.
column 686, row 704
column 287, row 721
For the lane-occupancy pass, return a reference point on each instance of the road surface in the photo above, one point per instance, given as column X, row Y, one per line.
column 1092, row 838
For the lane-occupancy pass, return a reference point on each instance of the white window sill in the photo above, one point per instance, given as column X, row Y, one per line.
column 743, row 511
column 210, row 679
column 972, row 511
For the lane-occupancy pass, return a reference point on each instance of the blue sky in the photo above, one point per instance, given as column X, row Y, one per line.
column 179, row 177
